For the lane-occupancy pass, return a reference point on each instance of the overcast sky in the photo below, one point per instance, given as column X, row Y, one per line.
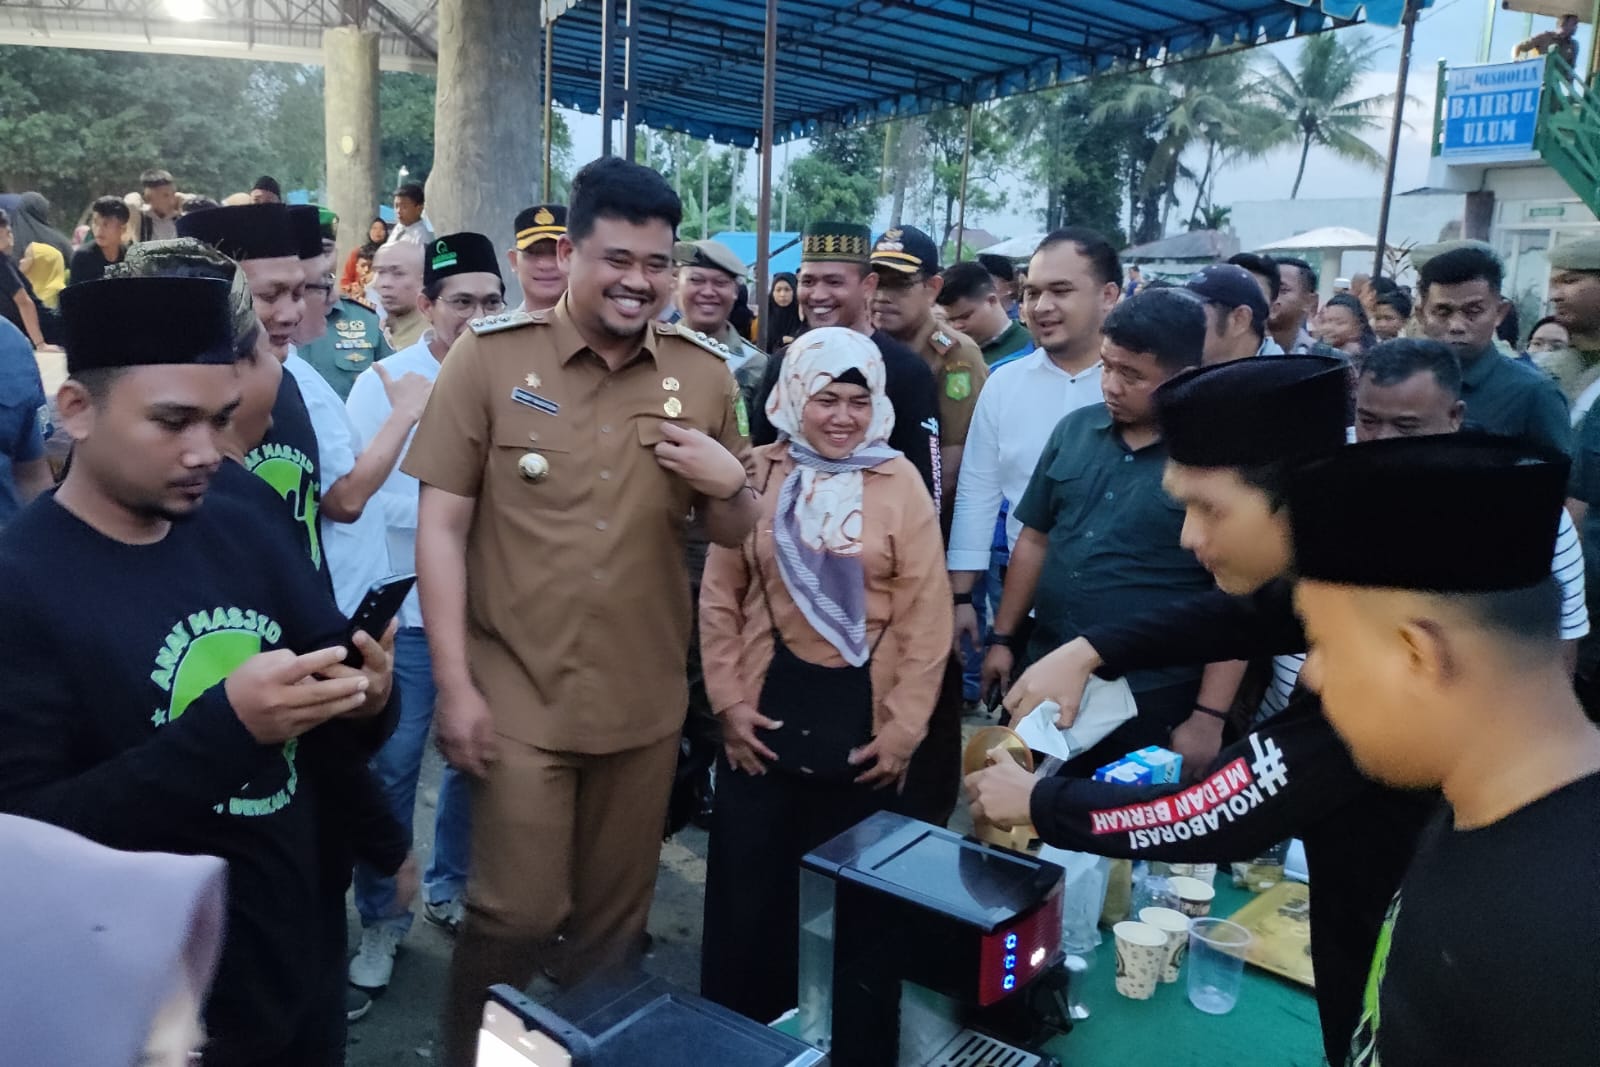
column 1451, row 30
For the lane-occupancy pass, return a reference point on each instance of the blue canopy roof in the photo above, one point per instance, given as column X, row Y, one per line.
column 697, row 66
column 783, row 249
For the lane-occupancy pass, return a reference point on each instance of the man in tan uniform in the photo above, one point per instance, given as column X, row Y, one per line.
column 559, row 456
column 907, row 264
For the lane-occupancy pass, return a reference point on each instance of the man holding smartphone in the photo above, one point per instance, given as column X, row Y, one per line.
column 213, row 714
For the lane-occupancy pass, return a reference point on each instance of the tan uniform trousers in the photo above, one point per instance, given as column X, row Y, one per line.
column 564, row 844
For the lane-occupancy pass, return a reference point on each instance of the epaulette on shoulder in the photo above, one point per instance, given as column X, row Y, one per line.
column 943, row 341
column 510, row 320
column 697, row 338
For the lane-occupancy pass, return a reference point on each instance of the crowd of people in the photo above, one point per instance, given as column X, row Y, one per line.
column 681, row 558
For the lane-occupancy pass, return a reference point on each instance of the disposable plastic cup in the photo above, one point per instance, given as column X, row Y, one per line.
column 1175, row 924
column 1216, row 964
column 1205, row 872
column 1194, row 896
column 1141, row 950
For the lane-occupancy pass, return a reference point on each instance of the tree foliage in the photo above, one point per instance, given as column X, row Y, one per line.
column 1314, row 101
column 838, row 179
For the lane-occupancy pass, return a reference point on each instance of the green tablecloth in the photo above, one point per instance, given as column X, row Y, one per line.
column 1273, row 1025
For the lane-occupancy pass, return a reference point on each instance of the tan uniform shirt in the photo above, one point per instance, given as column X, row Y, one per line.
column 908, row 594
column 958, row 368
column 577, row 595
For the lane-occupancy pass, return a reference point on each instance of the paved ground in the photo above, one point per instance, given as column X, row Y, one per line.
column 400, row 1028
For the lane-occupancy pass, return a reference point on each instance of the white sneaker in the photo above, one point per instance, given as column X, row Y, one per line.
column 373, row 965
column 446, row 914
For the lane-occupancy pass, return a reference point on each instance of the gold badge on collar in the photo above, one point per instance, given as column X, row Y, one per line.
column 531, row 381
column 670, row 385
column 673, row 407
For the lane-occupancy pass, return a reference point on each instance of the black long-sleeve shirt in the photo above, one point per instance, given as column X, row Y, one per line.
column 115, row 723
column 1291, row 776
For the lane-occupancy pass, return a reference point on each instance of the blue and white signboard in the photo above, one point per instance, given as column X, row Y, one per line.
column 1493, row 109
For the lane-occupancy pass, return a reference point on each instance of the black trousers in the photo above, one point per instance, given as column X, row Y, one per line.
column 933, row 777
column 761, row 827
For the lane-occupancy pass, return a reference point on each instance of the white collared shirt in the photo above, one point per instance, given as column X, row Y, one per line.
column 396, row 499
column 353, row 562
column 1017, row 409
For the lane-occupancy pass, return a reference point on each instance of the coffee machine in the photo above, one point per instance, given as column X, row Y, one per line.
column 918, row 947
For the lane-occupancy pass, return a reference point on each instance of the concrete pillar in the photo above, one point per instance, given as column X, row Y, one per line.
column 486, row 129
column 350, row 101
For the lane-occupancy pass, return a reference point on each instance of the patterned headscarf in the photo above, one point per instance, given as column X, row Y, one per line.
column 818, row 525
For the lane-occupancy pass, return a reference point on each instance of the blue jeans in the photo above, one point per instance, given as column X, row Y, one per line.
column 986, row 602
column 396, row 767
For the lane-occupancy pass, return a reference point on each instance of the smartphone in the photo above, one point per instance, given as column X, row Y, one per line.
column 377, row 608
column 516, row 1032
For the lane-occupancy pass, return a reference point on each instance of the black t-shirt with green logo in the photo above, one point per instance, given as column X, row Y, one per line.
column 114, row 723
column 287, row 459
column 1491, row 951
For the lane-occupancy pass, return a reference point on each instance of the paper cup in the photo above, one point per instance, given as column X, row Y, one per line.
column 1194, row 896
column 1175, row 924
column 1204, row 872
column 1141, row 951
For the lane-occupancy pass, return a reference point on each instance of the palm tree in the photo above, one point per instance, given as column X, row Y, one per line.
column 1212, row 217
column 1314, row 100
column 1189, row 104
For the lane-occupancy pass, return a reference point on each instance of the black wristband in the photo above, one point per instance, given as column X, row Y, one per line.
column 1221, row 716
column 963, row 598
column 1003, row 640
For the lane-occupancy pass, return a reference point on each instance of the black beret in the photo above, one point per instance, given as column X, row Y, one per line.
column 134, row 322
column 249, row 231
column 1450, row 513
column 1255, row 411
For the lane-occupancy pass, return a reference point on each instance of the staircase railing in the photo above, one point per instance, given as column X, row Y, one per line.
column 1568, row 134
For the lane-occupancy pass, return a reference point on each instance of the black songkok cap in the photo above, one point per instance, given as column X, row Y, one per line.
column 459, row 253
column 305, row 226
column 249, row 231
column 1255, row 411
column 135, row 322
column 835, row 242
column 1452, row 513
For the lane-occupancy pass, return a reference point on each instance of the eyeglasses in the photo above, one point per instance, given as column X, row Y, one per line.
column 465, row 304
column 318, row 287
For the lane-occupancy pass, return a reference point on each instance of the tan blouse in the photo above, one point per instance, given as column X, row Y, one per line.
column 907, row 591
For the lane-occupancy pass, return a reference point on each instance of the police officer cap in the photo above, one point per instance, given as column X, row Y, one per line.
column 906, row 250
column 249, row 231
column 835, row 242
column 1255, row 411
column 1582, row 255
column 542, row 222
column 1391, row 514
column 708, row 253
column 305, row 223
column 134, row 322
column 459, row 253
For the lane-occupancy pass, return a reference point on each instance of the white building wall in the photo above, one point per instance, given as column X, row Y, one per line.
column 1419, row 218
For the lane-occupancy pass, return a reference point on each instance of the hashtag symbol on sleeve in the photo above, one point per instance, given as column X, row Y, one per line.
column 1269, row 768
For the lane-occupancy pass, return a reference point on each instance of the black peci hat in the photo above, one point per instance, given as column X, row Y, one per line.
column 305, row 225
column 1255, row 411
column 172, row 320
column 459, row 253
column 249, row 231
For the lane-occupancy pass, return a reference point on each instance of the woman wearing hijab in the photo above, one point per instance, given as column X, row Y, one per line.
column 824, row 639
column 108, row 955
column 377, row 233
column 781, row 324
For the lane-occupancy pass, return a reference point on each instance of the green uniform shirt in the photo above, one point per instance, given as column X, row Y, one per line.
column 1113, row 552
column 1512, row 398
column 1584, row 484
column 1014, row 341
column 353, row 343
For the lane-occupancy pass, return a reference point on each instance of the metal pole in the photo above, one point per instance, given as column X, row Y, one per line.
column 783, row 207
column 630, row 131
column 966, row 166
column 769, row 83
column 1486, row 43
column 608, row 43
column 705, row 190
column 1594, row 39
column 549, row 117
column 1409, row 20
column 734, row 159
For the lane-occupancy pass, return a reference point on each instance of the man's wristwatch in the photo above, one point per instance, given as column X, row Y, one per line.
column 1003, row 640
column 962, row 598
